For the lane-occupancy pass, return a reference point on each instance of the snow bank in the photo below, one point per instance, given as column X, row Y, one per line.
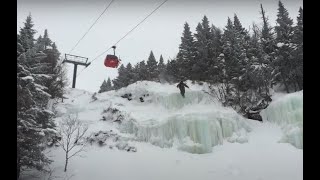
column 287, row 111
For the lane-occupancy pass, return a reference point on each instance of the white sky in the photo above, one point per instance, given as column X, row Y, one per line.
column 68, row 20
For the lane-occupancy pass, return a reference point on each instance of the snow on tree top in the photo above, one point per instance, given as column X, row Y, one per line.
column 40, row 86
column 280, row 44
column 43, row 75
column 43, row 92
column 28, row 78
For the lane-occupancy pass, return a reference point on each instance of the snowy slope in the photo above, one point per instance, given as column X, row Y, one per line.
column 175, row 138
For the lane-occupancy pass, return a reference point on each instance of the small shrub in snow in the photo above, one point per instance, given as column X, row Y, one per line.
column 111, row 139
column 127, row 96
column 111, row 110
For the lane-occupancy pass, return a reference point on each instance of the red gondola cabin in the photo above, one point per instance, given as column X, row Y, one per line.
column 111, row 61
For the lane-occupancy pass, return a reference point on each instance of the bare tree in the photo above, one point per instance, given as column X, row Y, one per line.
column 72, row 133
column 219, row 92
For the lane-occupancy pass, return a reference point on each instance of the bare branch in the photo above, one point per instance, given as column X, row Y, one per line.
column 72, row 131
column 81, row 149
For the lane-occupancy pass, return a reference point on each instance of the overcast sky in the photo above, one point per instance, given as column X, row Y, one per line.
column 68, row 20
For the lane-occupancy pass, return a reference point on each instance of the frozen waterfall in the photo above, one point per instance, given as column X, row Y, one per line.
column 193, row 124
column 287, row 111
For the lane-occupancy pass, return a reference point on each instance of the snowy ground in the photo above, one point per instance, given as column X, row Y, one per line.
column 262, row 157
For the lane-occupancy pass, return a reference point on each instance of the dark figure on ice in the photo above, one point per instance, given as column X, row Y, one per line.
column 181, row 86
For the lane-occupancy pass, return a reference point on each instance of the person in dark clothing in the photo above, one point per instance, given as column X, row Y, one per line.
column 181, row 86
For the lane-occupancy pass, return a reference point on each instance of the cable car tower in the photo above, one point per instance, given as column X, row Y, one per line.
column 75, row 60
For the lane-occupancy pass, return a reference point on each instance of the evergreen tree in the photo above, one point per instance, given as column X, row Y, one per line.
column 229, row 53
column 109, row 85
column 142, row 71
column 283, row 63
column 36, row 69
column 34, row 120
column 119, row 82
column 39, row 44
column 186, row 54
column 215, row 50
column 20, row 48
column 203, row 45
column 29, row 130
column 103, row 87
column 222, row 75
column 129, row 74
column 161, row 69
column 172, row 71
column 27, row 34
column 152, row 67
column 46, row 40
column 298, row 51
column 216, row 41
column 267, row 40
column 58, row 81
column 161, row 65
column 241, row 58
column 135, row 70
column 255, row 78
column 284, row 27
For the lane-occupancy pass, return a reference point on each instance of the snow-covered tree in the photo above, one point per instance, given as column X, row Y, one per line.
column 161, row 69
column 241, row 47
column 58, row 81
column 229, row 52
column 34, row 120
column 105, row 86
column 186, row 54
column 141, row 71
column 267, row 36
column 204, row 57
column 130, row 74
column 152, row 67
column 30, row 124
column 46, row 40
column 27, row 34
column 215, row 50
column 119, row 81
column 298, row 52
column 172, row 71
column 283, row 63
column 161, row 65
